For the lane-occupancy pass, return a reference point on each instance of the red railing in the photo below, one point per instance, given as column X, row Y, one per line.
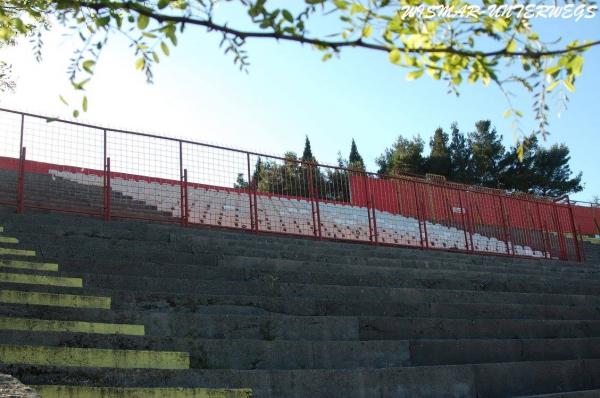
column 77, row 167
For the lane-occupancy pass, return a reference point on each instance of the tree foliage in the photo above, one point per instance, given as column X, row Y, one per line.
column 479, row 158
column 404, row 157
column 439, row 161
column 483, row 48
column 355, row 161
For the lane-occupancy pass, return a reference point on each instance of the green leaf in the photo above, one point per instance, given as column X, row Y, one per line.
column 155, row 57
column 80, row 85
column 568, row 85
column 341, row 4
column 75, row 113
column 520, row 152
column 163, row 3
column 140, row 63
column 394, row 56
column 415, row 74
column 287, row 15
column 552, row 86
column 326, row 57
column 88, row 65
column 165, row 48
column 143, row 21
column 84, row 103
column 63, row 100
column 367, row 31
column 507, row 113
column 511, row 47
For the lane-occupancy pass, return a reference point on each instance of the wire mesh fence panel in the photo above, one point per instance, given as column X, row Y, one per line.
column 337, row 216
column 217, row 186
column 286, row 193
column 63, row 168
column 446, row 213
column 10, row 149
column 390, row 227
column 569, row 233
column 165, row 179
column 403, row 225
column 144, row 177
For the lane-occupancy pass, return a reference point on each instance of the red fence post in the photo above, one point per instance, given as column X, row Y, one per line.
column 560, row 237
column 464, row 224
column 182, row 186
column 418, row 207
column 470, row 220
column 186, row 197
column 254, row 189
column 107, row 191
column 539, row 216
column 21, row 182
column 574, row 229
column 506, row 222
column 311, row 195
column 316, row 197
column 581, row 245
column 371, row 210
column 250, row 182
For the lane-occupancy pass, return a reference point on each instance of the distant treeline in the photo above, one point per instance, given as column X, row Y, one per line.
column 476, row 158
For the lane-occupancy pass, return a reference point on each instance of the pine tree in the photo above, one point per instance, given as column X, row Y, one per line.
column 439, row 161
column 540, row 171
column 405, row 157
column 240, row 182
column 307, row 155
column 554, row 173
column 487, row 152
column 355, row 161
column 460, row 156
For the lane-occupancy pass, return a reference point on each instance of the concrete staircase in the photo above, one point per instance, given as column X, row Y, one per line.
column 49, row 191
column 133, row 309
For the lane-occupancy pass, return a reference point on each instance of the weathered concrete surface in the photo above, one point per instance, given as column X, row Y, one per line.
column 481, row 380
column 301, row 318
column 13, row 388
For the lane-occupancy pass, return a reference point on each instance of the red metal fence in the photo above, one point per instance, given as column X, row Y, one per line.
column 71, row 166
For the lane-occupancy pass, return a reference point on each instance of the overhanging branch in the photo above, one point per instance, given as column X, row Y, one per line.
column 334, row 45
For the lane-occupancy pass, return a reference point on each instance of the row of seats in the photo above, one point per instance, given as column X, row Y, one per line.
column 228, row 208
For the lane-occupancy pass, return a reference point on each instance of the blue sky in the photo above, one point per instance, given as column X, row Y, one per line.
column 198, row 93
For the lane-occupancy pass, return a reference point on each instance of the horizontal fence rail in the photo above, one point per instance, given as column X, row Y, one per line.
column 53, row 164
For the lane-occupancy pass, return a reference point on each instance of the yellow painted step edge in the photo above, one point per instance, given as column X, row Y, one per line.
column 30, row 279
column 54, row 299
column 18, row 264
column 51, row 325
column 7, row 239
column 16, row 252
column 93, row 357
column 115, row 392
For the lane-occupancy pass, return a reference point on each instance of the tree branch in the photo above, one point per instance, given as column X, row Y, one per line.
column 335, row 45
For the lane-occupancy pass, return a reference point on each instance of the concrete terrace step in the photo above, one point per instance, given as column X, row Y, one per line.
column 293, row 300
column 315, row 285
column 101, row 241
column 53, row 391
column 414, row 278
column 479, row 380
column 260, row 354
column 88, row 251
column 570, row 394
column 199, row 236
column 315, row 328
column 148, row 232
column 242, row 354
column 91, row 357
